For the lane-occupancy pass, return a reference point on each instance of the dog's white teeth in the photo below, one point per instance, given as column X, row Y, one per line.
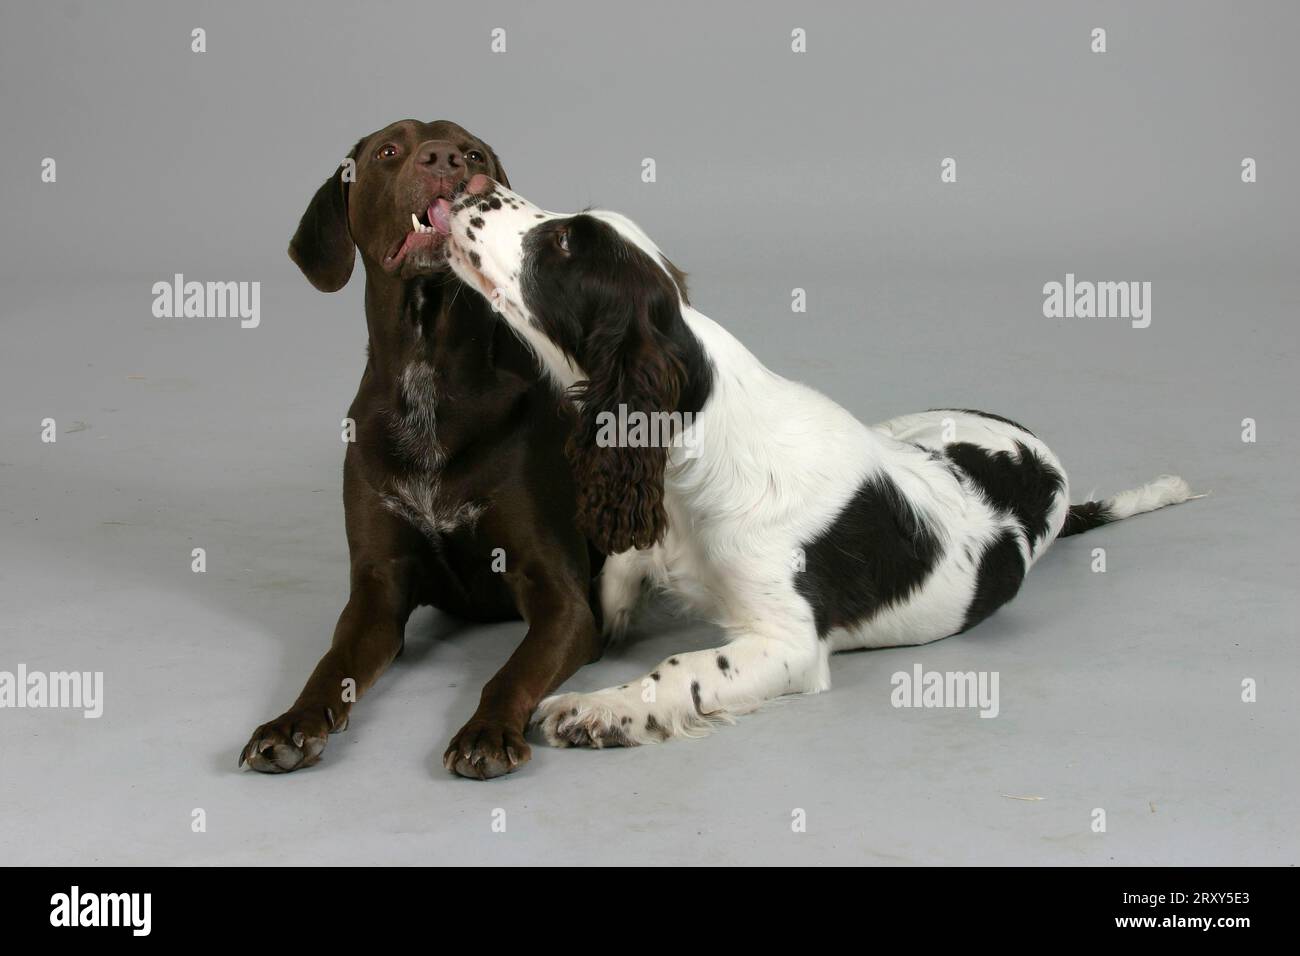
column 415, row 223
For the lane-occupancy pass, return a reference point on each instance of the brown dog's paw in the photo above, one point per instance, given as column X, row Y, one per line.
column 292, row 741
column 484, row 749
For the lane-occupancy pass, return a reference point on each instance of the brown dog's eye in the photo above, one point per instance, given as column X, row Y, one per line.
column 387, row 151
column 474, row 156
column 562, row 240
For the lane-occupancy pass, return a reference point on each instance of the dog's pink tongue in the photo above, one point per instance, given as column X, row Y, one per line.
column 440, row 216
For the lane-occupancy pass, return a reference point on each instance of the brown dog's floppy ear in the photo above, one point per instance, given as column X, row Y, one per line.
column 633, row 365
column 323, row 247
column 501, row 176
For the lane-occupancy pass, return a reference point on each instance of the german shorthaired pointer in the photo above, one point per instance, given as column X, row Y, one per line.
column 457, row 492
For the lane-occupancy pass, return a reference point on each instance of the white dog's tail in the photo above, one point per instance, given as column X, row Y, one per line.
column 1165, row 490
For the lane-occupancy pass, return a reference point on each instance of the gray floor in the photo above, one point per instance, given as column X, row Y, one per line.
column 1118, row 690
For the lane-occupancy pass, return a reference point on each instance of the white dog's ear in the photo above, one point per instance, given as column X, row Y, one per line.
column 322, row 247
column 634, row 362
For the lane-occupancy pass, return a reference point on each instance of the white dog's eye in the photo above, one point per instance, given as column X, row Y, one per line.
column 562, row 239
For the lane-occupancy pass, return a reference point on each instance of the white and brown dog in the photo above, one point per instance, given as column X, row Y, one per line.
column 798, row 529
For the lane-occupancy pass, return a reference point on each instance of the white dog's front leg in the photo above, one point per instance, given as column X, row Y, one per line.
column 622, row 583
column 688, row 693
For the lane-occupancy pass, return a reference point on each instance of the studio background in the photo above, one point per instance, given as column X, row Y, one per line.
column 774, row 171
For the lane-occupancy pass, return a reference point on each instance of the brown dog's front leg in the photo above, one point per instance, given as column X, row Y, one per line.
column 367, row 638
column 562, row 636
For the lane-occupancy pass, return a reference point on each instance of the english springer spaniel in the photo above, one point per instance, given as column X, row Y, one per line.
column 798, row 529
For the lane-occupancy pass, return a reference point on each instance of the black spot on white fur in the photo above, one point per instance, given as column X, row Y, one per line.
column 1022, row 484
column 1001, row 571
column 875, row 554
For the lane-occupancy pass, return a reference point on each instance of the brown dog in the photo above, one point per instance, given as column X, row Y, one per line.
column 458, row 463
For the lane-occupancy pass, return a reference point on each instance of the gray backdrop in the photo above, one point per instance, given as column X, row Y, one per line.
column 775, row 170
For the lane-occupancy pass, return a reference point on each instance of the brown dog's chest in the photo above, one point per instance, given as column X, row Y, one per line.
column 414, row 490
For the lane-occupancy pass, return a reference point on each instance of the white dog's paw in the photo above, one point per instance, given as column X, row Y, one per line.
column 607, row 718
column 645, row 712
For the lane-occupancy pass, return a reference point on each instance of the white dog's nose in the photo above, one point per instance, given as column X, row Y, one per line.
column 480, row 185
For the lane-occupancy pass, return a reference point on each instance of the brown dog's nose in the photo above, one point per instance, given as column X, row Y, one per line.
column 480, row 185
column 441, row 158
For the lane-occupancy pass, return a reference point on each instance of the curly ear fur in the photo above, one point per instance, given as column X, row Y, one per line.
column 322, row 247
column 632, row 360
